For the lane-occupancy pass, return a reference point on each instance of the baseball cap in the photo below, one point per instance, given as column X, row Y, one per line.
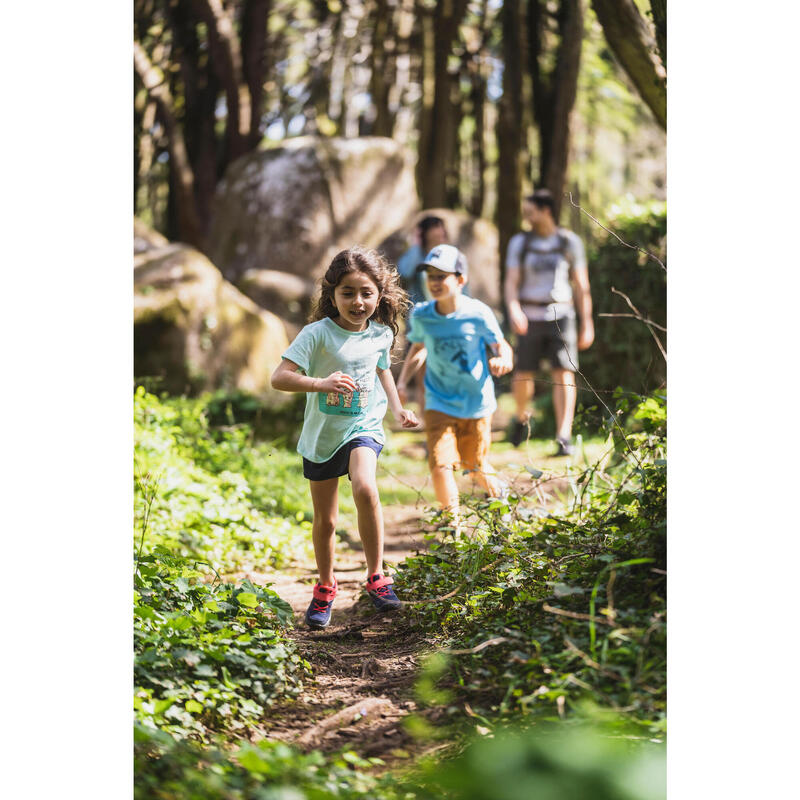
column 447, row 258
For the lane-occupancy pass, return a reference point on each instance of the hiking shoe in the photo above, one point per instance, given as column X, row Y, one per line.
column 518, row 433
column 319, row 612
column 565, row 447
column 379, row 589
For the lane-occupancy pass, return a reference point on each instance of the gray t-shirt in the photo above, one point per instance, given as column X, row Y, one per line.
column 545, row 292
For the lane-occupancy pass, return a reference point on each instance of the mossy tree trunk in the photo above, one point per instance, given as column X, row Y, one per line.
column 634, row 46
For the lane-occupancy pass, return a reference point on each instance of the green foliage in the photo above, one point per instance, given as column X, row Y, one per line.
column 174, row 770
column 567, row 762
column 208, row 655
column 218, row 495
column 238, row 407
column 558, row 609
column 624, row 353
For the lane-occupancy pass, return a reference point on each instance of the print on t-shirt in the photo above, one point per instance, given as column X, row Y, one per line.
column 349, row 404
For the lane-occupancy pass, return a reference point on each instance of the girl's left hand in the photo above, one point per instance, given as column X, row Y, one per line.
column 408, row 419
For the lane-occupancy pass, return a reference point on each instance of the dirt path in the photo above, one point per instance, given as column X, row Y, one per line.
column 364, row 664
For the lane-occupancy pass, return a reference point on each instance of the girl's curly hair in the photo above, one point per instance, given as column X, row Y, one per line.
column 393, row 301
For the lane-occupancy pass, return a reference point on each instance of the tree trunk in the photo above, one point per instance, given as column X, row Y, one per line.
column 186, row 219
column 659, row 9
column 452, row 176
column 200, row 91
column 254, row 61
column 380, row 81
column 633, row 45
column 509, row 131
column 553, row 170
column 441, row 154
column 474, row 203
column 227, row 60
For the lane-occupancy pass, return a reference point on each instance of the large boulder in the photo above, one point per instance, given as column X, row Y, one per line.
column 477, row 238
column 196, row 331
column 292, row 207
column 145, row 238
column 286, row 295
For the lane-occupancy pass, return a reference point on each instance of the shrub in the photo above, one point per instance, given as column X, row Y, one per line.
column 624, row 353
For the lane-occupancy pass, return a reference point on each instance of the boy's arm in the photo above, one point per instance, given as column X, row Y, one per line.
column 414, row 361
column 404, row 416
column 502, row 360
column 287, row 378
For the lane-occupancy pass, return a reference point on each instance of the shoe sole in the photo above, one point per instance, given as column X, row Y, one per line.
column 316, row 626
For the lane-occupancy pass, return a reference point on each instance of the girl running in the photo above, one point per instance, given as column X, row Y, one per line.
column 341, row 360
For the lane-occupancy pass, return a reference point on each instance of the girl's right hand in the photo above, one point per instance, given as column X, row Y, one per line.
column 336, row 382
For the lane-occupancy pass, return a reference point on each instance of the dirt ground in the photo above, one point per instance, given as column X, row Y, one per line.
column 365, row 664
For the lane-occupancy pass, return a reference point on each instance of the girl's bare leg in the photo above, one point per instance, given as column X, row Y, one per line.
column 325, row 497
column 363, row 466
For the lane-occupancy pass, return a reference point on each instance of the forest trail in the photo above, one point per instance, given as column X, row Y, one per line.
column 365, row 664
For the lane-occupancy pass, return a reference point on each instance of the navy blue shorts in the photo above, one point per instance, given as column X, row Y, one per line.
column 339, row 463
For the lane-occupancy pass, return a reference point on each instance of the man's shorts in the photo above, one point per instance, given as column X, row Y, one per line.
column 557, row 341
column 339, row 463
column 455, row 442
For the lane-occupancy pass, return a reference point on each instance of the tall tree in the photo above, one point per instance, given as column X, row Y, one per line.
column 509, row 129
column 181, row 172
column 555, row 90
column 380, row 76
column 186, row 68
column 634, row 46
column 438, row 135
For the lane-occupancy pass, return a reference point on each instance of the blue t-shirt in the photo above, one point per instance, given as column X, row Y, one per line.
column 332, row 419
column 415, row 281
column 457, row 377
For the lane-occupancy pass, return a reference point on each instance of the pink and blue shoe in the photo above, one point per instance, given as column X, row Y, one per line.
column 379, row 589
column 318, row 614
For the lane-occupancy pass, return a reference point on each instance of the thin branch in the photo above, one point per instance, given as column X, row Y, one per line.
column 573, row 614
column 634, row 316
column 631, row 246
column 479, row 647
column 640, row 317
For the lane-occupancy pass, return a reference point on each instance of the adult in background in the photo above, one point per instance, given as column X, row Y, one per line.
column 546, row 283
column 430, row 232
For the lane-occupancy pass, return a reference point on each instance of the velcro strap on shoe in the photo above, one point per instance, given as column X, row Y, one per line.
column 382, row 581
column 324, row 592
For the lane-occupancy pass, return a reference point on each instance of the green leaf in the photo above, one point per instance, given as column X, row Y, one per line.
column 247, row 599
column 253, row 762
column 193, row 706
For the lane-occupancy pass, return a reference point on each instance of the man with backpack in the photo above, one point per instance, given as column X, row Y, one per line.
column 546, row 283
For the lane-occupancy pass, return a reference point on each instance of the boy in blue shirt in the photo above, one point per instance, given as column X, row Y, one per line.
column 462, row 346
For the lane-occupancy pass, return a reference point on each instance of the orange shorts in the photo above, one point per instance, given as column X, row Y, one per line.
column 457, row 443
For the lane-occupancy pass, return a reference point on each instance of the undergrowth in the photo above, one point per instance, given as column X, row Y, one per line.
column 542, row 612
column 538, row 615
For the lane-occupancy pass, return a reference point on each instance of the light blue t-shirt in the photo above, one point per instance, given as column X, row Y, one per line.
column 457, row 377
column 333, row 419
